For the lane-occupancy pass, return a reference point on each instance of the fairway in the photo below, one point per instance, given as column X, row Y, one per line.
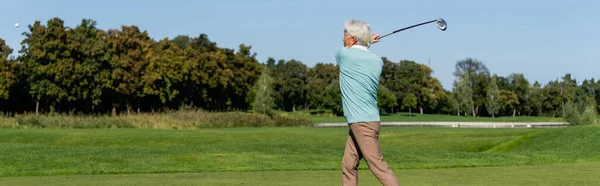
column 295, row 156
column 294, row 93
column 562, row 174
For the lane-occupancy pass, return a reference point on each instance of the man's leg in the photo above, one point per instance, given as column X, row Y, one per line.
column 350, row 161
column 367, row 137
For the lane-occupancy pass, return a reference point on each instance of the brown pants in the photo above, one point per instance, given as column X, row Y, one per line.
column 363, row 142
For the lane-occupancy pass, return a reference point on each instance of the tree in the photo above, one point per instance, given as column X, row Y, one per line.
column 478, row 77
column 334, row 98
column 131, row 51
column 90, row 64
column 271, row 63
column 509, row 101
column 263, row 101
column 503, row 83
column 463, row 94
column 291, row 84
column 431, row 91
column 386, row 100
column 567, row 90
column 552, row 98
column 47, row 62
column 182, row 41
column 589, row 87
column 410, row 101
column 595, row 85
column 455, row 99
column 392, row 79
column 165, row 72
column 410, row 77
column 445, row 105
column 492, row 104
column 319, row 77
column 520, row 86
column 8, row 77
column 535, row 99
column 245, row 70
column 208, row 77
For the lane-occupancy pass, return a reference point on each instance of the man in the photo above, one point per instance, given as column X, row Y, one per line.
column 360, row 71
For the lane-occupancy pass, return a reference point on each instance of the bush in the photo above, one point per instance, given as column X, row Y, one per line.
column 192, row 119
column 57, row 121
column 589, row 115
column 581, row 114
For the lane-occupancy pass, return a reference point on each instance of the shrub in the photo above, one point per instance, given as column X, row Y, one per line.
column 577, row 114
column 191, row 119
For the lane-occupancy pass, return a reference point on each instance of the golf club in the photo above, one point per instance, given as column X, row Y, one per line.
column 440, row 23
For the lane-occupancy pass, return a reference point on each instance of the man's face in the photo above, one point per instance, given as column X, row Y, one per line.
column 348, row 40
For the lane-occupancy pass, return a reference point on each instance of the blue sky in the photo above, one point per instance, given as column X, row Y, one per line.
column 542, row 39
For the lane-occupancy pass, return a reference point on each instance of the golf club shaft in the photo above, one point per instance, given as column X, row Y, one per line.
column 406, row 28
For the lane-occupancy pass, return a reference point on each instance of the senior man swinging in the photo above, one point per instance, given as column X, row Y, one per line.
column 360, row 71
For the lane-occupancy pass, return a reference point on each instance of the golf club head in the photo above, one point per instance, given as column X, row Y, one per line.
column 441, row 24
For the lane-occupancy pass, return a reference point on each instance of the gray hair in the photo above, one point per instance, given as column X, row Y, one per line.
column 360, row 30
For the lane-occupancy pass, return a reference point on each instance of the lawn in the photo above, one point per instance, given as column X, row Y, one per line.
column 329, row 118
column 250, row 154
column 559, row 174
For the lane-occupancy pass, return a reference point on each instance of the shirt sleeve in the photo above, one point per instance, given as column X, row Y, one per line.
column 338, row 55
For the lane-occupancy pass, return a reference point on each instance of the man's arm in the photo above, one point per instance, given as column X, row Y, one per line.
column 337, row 56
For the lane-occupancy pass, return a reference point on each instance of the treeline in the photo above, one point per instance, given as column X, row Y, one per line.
column 89, row 70
column 477, row 92
column 93, row 71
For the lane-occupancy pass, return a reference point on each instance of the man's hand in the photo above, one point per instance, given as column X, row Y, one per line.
column 375, row 38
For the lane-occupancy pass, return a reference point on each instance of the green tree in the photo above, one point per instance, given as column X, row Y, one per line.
column 567, row 90
column 478, row 77
column 182, row 41
column 47, row 62
column 245, row 70
column 553, row 98
column 445, row 105
column 271, row 63
column 391, row 78
column 462, row 94
column 334, row 98
column 410, row 77
column 431, row 91
column 589, row 87
column 290, row 85
column 207, row 78
column 263, row 102
column 386, row 100
column 492, row 103
column 410, row 101
column 8, row 77
column 131, row 51
column 520, row 86
column 503, row 83
column 509, row 101
column 319, row 77
column 594, row 89
column 164, row 75
column 90, row 73
column 535, row 101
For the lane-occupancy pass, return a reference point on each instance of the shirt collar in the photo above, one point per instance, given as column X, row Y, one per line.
column 360, row 47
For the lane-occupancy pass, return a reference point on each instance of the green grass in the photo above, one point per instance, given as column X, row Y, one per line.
column 326, row 117
column 559, row 174
column 28, row 152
